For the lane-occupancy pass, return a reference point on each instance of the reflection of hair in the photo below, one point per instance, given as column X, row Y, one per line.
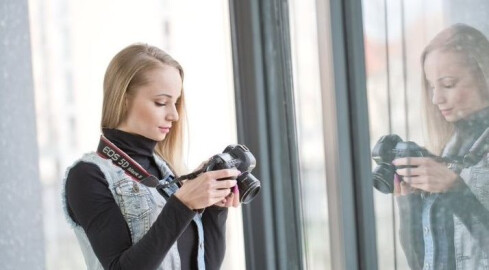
column 125, row 73
column 472, row 44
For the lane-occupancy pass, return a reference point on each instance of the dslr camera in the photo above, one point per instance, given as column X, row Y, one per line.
column 388, row 148
column 237, row 156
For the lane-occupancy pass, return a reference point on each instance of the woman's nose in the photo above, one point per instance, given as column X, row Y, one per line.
column 173, row 115
column 438, row 97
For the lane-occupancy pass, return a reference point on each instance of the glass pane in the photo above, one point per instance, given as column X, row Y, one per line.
column 72, row 43
column 427, row 63
column 308, row 108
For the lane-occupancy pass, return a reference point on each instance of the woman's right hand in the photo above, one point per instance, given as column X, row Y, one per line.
column 427, row 174
column 206, row 190
column 401, row 188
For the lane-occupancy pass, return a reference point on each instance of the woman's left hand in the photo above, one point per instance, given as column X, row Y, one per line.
column 231, row 200
column 427, row 174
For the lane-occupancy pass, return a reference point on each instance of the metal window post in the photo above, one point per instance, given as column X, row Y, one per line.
column 266, row 124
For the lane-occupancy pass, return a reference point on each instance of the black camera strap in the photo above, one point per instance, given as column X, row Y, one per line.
column 478, row 149
column 475, row 154
column 106, row 149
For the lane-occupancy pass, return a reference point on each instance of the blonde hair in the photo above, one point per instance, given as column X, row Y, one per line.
column 125, row 73
column 472, row 44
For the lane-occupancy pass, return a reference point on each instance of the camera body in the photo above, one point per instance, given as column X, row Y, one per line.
column 388, row 148
column 238, row 156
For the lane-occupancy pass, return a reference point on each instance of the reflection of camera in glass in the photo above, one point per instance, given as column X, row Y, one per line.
column 388, row 148
column 238, row 156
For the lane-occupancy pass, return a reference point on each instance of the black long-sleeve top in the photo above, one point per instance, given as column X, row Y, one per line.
column 91, row 205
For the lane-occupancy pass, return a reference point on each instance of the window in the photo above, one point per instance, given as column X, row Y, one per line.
column 417, row 228
column 308, row 108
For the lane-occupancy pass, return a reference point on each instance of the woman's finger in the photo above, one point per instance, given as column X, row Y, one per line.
column 229, row 200
column 235, row 192
column 414, row 180
column 397, row 185
column 409, row 171
column 224, row 174
column 405, row 188
column 410, row 161
column 221, row 193
column 224, row 184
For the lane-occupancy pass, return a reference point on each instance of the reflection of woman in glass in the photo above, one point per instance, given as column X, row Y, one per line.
column 121, row 224
column 444, row 215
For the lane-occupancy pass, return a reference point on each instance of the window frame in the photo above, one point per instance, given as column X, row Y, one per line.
column 265, row 112
column 343, row 85
column 266, row 124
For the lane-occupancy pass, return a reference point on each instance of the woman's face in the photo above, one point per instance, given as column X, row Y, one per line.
column 152, row 107
column 455, row 87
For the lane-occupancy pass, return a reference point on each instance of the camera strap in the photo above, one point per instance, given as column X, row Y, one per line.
column 478, row 149
column 106, row 149
column 475, row 154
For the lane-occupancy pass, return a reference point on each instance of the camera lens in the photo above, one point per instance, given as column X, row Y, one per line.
column 383, row 177
column 248, row 186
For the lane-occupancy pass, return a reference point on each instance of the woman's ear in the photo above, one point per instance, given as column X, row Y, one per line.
column 125, row 108
column 127, row 103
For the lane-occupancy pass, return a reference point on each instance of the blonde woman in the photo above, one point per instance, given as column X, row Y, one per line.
column 444, row 210
column 122, row 224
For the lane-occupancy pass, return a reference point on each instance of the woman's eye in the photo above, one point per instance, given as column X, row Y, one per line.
column 159, row 104
column 449, row 83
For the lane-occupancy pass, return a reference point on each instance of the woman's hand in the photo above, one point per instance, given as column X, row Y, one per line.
column 231, row 200
column 427, row 174
column 205, row 190
column 401, row 188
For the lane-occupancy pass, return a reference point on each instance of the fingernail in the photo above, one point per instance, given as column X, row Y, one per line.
column 235, row 189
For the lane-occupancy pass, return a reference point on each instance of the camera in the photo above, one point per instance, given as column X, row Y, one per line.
column 237, row 156
column 388, row 148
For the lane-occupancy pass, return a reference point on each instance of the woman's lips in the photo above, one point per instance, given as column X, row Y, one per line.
column 164, row 129
column 446, row 112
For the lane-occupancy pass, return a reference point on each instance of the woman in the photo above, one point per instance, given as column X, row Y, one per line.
column 444, row 211
column 122, row 224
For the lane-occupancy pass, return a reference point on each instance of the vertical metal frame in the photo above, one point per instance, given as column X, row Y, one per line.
column 343, row 83
column 266, row 124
